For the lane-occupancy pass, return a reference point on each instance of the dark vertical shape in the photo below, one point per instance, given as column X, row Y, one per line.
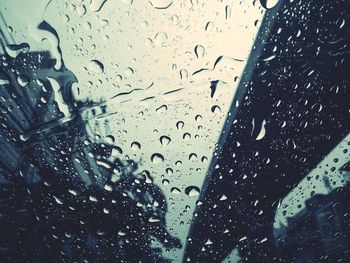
column 297, row 88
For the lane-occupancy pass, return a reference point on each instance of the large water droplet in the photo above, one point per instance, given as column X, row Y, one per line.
column 96, row 66
column 129, row 71
column 96, row 5
column 165, row 182
column 135, row 146
column 23, row 80
column 199, row 51
column 268, row 4
column 180, row 125
column 81, row 10
column 160, row 38
column 192, row 190
column 165, row 140
column 192, row 157
column 169, row 171
column 110, row 139
column 175, row 190
column 215, row 109
column 161, row 4
column 262, row 131
column 58, row 200
column 162, row 109
column 157, row 158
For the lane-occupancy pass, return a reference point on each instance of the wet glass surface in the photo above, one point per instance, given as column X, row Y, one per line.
column 174, row 131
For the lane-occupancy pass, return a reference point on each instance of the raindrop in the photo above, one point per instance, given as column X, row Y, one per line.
column 162, row 108
column 268, row 4
column 135, row 146
column 157, row 158
column 208, row 242
column 165, row 182
column 192, row 191
column 183, row 74
column 269, row 58
column 108, row 187
column 262, row 131
column 199, row 51
column 215, row 109
column 110, row 139
column 129, row 71
column 116, row 151
column 198, row 117
column 180, row 125
column 223, row 198
column 209, row 26
column 160, row 38
column 119, row 78
column 175, row 190
column 169, row 171
column 192, row 157
column 186, row 136
column 58, row 200
column 161, row 4
column 96, row 66
column 149, row 42
column 81, row 10
column 96, row 5
column 165, row 140
column 23, row 80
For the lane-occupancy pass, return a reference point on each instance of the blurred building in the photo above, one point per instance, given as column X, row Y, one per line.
column 321, row 231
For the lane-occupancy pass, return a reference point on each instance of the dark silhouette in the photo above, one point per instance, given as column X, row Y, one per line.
column 291, row 109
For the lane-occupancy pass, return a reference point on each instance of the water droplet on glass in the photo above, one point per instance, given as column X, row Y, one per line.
column 157, row 158
column 199, row 51
column 81, row 10
column 192, row 191
column 23, row 80
column 186, row 136
column 175, row 190
column 149, row 42
column 129, row 71
column 165, row 140
column 165, row 182
column 192, row 157
column 110, row 139
column 223, row 198
column 198, row 117
column 96, row 66
column 135, row 146
column 215, row 109
column 209, row 26
column 262, row 131
column 180, row 125
column 160, row 38
column 268, row 4
column 169, row 171
column 161, row 4
column 96, row 5
column 162, row 108
column 58, row 200
column 183, row 74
